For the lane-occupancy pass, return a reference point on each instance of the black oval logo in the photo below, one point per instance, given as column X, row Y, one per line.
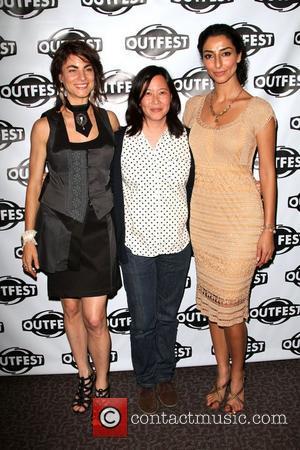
column 254, row 38
column 279, row 81
column 117, row 85
column 280, row 5
column 293, row 344
column 201, row 7
column 16, row 360
column 10, row 214
column 119, row 321
column 192, row 318
column 10, row 134
column 49, row 324
column 275, row 311
column 49, row 46
column 28, row 90
column 112, row 8
column 157, row 42
column 287, row 161
column 7, row 48
column 286, row 238
column 194, row 82
column 13, row 290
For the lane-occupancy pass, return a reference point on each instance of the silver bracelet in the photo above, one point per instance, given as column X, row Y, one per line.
column 28, row 236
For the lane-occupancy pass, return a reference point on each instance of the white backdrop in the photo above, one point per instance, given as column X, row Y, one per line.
column 130, row 34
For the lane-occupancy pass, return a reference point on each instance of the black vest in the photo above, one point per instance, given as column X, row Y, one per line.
column 76, row 176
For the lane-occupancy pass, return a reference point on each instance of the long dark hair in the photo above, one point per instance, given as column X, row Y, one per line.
column 219, row 29
column 85, row 52
column 134, row 113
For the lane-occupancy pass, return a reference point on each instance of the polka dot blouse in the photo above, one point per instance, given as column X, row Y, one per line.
column 154, row 186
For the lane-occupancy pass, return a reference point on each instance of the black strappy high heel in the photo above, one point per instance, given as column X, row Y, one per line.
column 84, row 393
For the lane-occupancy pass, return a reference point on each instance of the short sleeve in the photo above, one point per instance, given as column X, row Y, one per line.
column 262, row 113
column 191, row 110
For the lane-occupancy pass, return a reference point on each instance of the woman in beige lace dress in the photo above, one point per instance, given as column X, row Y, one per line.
column 231, row 230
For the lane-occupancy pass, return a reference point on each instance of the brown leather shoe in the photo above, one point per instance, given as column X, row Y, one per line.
column 167, row 394
column 147, row 400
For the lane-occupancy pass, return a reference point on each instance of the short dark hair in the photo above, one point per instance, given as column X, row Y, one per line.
column 219, row 29
column 85, row 52
column 134, row 113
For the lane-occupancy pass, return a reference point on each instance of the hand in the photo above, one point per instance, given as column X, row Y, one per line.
column 30, row 259
column 265, row 248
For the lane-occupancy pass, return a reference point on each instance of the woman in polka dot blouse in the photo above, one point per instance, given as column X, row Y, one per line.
column 152, row 176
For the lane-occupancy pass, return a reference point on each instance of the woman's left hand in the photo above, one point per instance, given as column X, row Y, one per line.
column 265, row 248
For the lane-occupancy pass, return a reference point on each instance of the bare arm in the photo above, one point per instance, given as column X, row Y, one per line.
column 114, row 122
column 39, row 137
column 266, row 150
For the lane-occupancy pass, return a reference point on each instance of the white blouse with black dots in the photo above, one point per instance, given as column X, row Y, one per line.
column 155, row 201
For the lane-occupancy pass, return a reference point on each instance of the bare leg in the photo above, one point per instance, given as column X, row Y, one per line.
column 98, row 337
column 214, row 398
column 236, row 337
column 77, row 337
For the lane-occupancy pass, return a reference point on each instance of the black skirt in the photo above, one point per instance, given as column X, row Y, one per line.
column 98, row 272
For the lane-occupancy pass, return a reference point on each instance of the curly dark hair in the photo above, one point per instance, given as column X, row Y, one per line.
column 219, row 29
column 85, row 52
column 134, row 113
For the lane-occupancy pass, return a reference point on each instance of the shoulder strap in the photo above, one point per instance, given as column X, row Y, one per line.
column 52, row 116
column 103, row 115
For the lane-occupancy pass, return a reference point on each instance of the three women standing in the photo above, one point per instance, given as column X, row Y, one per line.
column 231, row 230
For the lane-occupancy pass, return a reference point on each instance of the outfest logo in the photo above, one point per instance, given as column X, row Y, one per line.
column 19, row 173
column 195, row 81
column 14, row 290
column 254, row 38
column 253, row 347
column 26, row 9
column 287, row 161
column 157, row 42
column 17, row 361
column 68, row 358
column 29, row 89
column 10, row 134
column 259, row 278
column 201, row 6
column 7, row 48
column 280, row 5
column 286, row 238
column 192, row 318
column 295, row 123
column 117, row 85
column 182, row 351
column 294, row 202
column 119, row 321
column 281, row 80
column 10, row 214
column 112, row 7
column 297, row 38
column 293, row 276
column 49, row 324
column 49, row 46
column 275, row 311
column 292, row 344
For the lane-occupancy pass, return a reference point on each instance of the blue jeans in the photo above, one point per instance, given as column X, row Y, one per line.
column 154, row 288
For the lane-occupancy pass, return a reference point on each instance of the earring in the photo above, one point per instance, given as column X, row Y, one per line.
column 62, row 93
column 92, row 96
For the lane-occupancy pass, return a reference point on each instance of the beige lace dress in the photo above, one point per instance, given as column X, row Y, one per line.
column 226, row 209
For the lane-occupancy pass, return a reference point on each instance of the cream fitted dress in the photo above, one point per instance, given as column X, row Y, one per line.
column 226, row 209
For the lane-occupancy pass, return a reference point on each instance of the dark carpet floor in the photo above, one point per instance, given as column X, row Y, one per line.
column 35, row 413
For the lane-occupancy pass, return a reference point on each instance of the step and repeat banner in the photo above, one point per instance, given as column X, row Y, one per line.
column 130, row 34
